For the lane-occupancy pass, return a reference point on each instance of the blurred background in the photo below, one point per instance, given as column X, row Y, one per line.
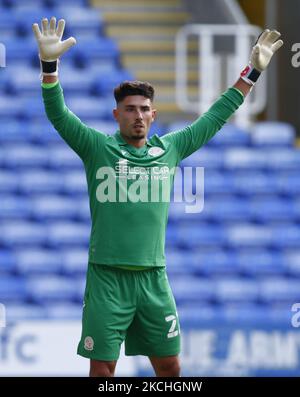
column 235, row 267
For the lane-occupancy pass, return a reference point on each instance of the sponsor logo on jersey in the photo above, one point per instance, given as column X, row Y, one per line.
column 155, row 151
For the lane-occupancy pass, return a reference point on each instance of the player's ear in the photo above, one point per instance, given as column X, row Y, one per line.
column 115, row 114
column 153, row 114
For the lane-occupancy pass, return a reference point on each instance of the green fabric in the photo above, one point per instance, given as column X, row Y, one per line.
column 129, row 188
column 137, row 307
column 49, row 85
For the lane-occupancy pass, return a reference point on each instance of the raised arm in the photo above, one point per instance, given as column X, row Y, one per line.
column 82, row 139
column 191, row 138
column 51, row 47
column 265, row 47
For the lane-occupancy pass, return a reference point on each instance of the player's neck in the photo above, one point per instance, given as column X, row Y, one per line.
column 138, row 143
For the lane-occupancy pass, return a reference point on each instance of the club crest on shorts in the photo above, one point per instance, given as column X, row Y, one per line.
column 89, row 343
column 155, row 151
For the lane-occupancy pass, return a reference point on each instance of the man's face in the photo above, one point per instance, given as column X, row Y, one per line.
column 134, row 115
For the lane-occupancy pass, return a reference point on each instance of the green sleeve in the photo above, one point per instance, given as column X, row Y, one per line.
column 191, row 138
column 82, row 139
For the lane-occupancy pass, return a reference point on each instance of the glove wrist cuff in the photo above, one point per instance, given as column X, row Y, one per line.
column 49, row 68
column 250, row 75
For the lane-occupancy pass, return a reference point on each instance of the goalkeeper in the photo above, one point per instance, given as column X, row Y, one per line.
column 127, row 296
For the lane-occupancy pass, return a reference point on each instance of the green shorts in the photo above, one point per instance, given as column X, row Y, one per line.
column 135, row 306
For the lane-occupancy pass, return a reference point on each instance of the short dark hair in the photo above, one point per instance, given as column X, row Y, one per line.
column 133, row 88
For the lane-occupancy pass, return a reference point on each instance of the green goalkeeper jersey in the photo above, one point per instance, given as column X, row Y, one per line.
column 129, row 188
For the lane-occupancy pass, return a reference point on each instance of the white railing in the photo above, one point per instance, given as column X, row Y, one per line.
column 217, row 71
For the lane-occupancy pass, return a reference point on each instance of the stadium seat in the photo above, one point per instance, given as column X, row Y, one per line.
column 12, row 289
column 8, row 182
column 74, row 182
column 291, row 259
column 272, row 209
column 43, row 289
column 259, row 262
column 233, row 289
column 14, row 208
column 279, row 289
column 251, row 183
column 272, row 133
column 25, row 155
column 53, row 207
column 7, row 261
column 38, row 261
column 63, row 311
column 61, row 157
column 39, row 181
column 62, row 234
column 192, row 289
column 19, row 312
column 20, row 234
column 74, row 261
column 249, row 235
column 214, row 262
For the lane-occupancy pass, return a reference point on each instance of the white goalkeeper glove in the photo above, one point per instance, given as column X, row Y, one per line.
column 50, row 45
column 265, row 47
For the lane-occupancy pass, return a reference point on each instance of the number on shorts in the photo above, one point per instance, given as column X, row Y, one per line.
column 172, row 333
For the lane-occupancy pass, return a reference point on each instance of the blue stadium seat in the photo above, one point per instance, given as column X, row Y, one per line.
column 193, row 236
column 14, row 131
column 61, row 234
column 106, row 82
column 74, row 182
column 272, row 209
column 24, row 81
column 234, row 289
column 286, row 236
column 7, row 261
column 25, row 155
column 279, row 289
column 38, row 261
column 192, row 289
column 12, row 289
column 40, row 181
column 289, row 183
column 244, row 158
column 14, row 208
column 231, row 135
column 20, row 233
column 206, row 157
column 259, row 262
column 19, row 312
column 42, row 132
column 106, row 127
column 70, row 78
column 53, row 207
column 11, row 107
column 283, row 159
column 89, row 107
column 251, row 182
column 214, row 262
column 291, row 259
column 216, row 182
column 226, row 209
column 43, row 289
column 87, row 51
column 272, row 133
column 63, row 311
column 196, row 315
column 178, row 262
column 74, row 261
column 8, row 182
column 61, row 157
column 249, row 235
